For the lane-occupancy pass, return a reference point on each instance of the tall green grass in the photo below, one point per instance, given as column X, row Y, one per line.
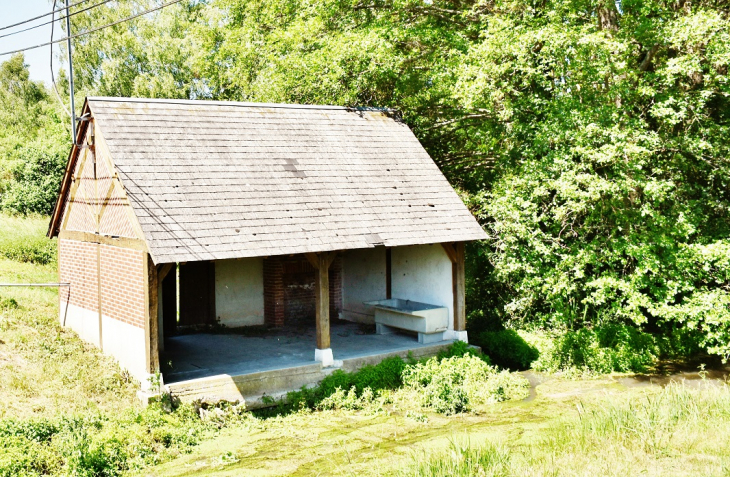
column 465, row 460
column 23, row 239
column 676, row 431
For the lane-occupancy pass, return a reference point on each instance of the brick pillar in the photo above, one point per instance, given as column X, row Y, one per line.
column 336, row 287
column 273, row 292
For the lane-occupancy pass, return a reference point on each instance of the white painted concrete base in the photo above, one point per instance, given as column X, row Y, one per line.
column 324, row 356
column 456, row 335
column 84, row 322
column 127, row 344
column 121, row 340
column 151, row 384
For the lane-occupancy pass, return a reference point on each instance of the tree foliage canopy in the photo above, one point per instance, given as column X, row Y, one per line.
column 589, row 137
column 32, row 141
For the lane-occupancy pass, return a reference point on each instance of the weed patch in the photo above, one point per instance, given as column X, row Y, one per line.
column 341, row 390
column 655, row 435
column 450, row 383
column 101, row 444
column 7, row 303
column 465, row 460
column 454, row 385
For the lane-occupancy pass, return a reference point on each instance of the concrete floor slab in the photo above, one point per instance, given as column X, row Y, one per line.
column 201, row 355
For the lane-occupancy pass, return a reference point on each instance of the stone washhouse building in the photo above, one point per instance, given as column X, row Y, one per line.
column 245, row 250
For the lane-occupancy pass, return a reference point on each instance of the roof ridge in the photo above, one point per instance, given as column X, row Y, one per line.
column 208, row 102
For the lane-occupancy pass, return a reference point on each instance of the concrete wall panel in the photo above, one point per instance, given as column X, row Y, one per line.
column 239, row 292
column 84, row 322
column 127, row 344
column 123, row 341
column 363, row 279
column 423, row 273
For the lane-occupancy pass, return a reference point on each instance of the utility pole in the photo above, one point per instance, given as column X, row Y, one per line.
column 70, row 73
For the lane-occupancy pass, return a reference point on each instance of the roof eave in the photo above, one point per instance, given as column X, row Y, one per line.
column 53, row 226
column 207, row 102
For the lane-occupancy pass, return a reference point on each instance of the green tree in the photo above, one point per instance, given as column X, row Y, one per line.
column 150, row 56
column 35, row 179
column 589, row 136
column 34, row 141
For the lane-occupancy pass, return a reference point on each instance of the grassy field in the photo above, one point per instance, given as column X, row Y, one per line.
column 66, row 409
column 571, row 428
column 44, row 368
column 24, row 240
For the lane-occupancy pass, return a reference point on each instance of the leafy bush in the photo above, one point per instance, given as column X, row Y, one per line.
column 385, row 375
column 96, row 445
column 35, row 180
column 454, row 385
column 680, row 342
column 350, row 400
column 461, row 348
column 604, row 349
column 342, row 390
column 507, row 349
column 40, row 251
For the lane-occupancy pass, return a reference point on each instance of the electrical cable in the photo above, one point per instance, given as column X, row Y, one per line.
column 53, row 78
column 84, row 33
column 52, row 19
column 44, row 15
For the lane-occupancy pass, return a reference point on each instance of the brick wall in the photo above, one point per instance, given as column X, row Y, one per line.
column 123, row 282
column 273, row 292
column 336, row 287
column 289, row 290
column 77, row 266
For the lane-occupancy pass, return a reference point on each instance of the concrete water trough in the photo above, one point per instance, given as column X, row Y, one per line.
column 429, row 321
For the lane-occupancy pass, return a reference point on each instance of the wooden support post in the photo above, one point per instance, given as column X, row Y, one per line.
column 162, row 272
column 455, row 252
column 388, row 273
column 459, row 288
column 322, row 302
column 321, row 263
column 151, row 325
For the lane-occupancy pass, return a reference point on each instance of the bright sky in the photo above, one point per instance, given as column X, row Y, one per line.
column 13, row 11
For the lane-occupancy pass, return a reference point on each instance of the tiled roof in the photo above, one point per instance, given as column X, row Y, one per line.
column 215, row 180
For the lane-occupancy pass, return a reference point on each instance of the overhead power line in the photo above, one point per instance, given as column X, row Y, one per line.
column 53, row 78
column 44, row 15
column 84, row 33
column 52, row 20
